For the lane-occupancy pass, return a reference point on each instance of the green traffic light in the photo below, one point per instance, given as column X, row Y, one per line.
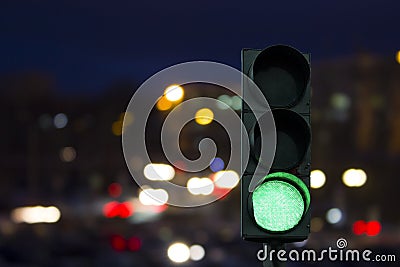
column 280, row 202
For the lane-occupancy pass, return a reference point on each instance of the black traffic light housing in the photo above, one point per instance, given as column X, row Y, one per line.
column 282, row 74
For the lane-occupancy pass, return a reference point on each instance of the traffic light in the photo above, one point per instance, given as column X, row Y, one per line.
column 278, row 208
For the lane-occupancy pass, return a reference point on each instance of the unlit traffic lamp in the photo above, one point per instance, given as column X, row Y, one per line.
column 278, row 209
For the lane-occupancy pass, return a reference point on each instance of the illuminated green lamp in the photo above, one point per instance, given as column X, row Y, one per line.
column 280, row 202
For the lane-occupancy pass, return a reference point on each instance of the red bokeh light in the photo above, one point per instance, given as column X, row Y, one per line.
column 373, row 228
column 118, row 243
column 110, row 209
column 359, row 227
column 125, row 209
column 114, row 190
column 134, row 243
column 113, row 209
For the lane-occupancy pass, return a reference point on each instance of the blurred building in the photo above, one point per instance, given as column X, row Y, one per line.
column 65, row 150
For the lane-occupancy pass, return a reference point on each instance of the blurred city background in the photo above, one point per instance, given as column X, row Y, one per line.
column 68, row 70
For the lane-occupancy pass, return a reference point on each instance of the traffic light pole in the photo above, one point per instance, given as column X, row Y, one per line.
column 275, row 262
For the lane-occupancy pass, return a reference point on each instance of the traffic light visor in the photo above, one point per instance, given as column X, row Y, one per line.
column 282, row 73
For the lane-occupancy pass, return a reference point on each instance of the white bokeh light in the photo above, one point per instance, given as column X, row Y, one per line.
column 226, row 179
column 155, row 197
column 334, row 216
column 317, row 179
column 174, row 92
column 37, row 214
column 354, row 177
column 159, row 172
column 197, row 252
column 178, row 252
column 200, row 186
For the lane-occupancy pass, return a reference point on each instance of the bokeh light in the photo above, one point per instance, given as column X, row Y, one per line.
column 236, row 102
column 118, row 243
column 37, row 214
column 317, row 179
column 155, row 197
column 316, row 224
column 334, row 216
column 126, row 117
column 226, row 179
column 200, row 186
column 134, row 243
column 67, row 154
column 116, row 128
column 114, row 190
column 197, row 252
column 115, row 209
column 178, row 252
column 225, row 103
column 373, row 228
column 204, row 116
column 217, row 164
column 340, row 101
column 354, row 177
column 174, row 92
column 398, row 56
column 60, row 120
column 359, row 227
column 163, row 104
column 159, row 172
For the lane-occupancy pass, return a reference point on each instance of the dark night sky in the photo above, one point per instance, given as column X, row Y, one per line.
column 87, row 45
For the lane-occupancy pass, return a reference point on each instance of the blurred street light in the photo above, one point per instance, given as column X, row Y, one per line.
column 60, row 120
column 197, row 252
column 163, row 104
column 340, row 101
column 178, row 252
column 318, row 179
column 155, row 197
column 316, row 224
column 225, row 103
column 217, row 164
column 226, row 179
column 174, row 93
column 159, row 172
column 67, row 154
column 37, row 214
column 200, row 186
column 334, row 216
column 116, row 209
column 114, row 190
column 204, row 116
column 354, row 177
column 116, row 128
column 371, row 228
column 236, row 102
